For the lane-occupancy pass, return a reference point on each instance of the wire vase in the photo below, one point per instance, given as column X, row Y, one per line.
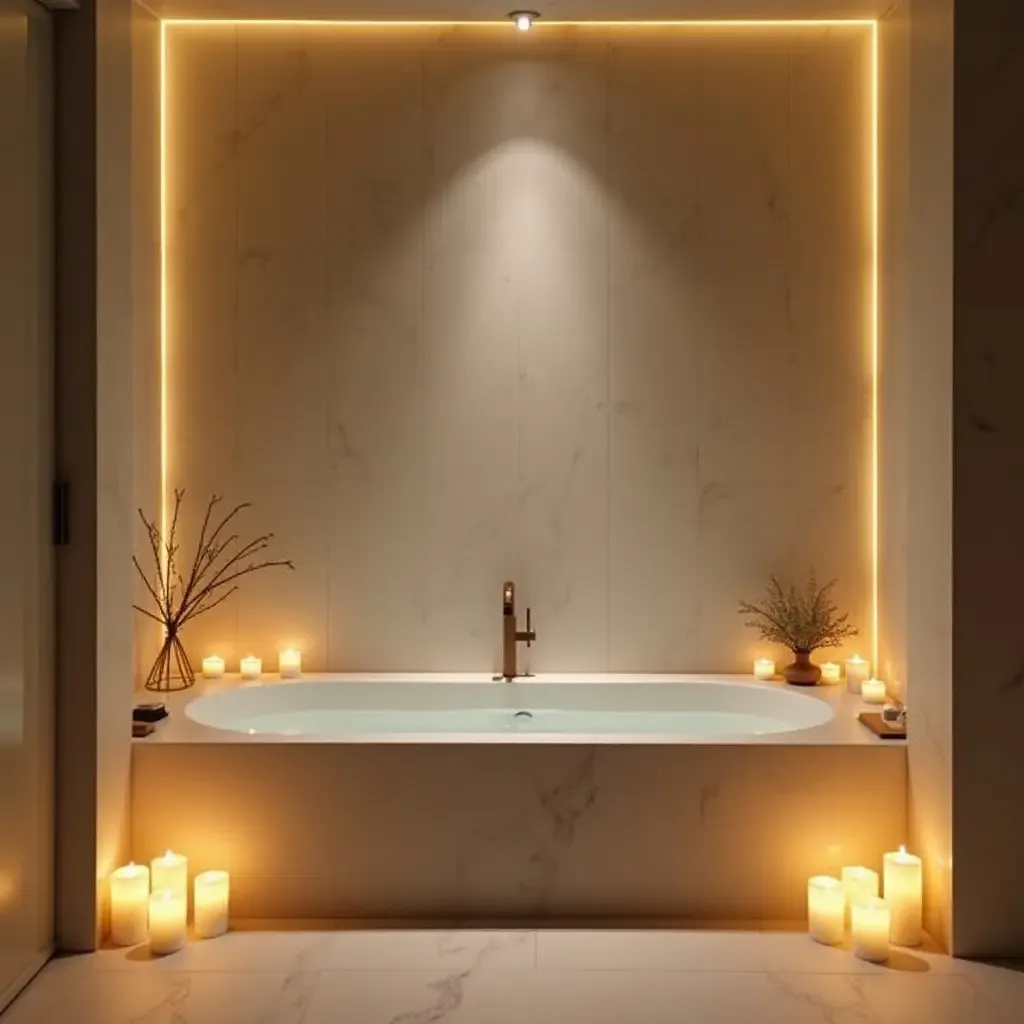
column 172, row 670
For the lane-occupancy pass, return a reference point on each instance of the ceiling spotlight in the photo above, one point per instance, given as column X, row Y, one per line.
column 524, row 19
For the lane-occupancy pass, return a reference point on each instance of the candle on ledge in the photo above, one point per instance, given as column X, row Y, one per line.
column 289, row 663
column 826, row 909
column 872, row 691
column 213, row 667
column 129, row 905
column 250, row 667
column 211, row 904
column 902, row 875
column 170, row 871
column 168, row 911
column 856, row 673
column 830, row 672
column 764, row 668
column 869, row 919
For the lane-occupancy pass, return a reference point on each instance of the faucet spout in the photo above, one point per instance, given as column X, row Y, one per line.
column 511, row 634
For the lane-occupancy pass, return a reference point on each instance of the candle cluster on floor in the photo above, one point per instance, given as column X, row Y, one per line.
column 289, row 665
column 152, row 903
column 853, row 902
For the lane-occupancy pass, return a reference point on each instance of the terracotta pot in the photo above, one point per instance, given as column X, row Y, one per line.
column 802, row 672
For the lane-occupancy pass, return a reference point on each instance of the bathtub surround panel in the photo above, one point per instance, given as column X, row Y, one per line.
column 724, row 832
column 452, row 305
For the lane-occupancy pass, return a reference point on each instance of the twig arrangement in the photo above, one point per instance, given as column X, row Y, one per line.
column 802, row 620
column 220, row 560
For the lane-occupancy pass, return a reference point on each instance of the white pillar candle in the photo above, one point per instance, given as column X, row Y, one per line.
column 869, row 919
column 764, row 668
column 250, row 667
column 210, row 906
column 168, row 911
column 213, row 667
column 830, row 672
column 858, row 882
column 856, row 673
column 826, row 909
column 170, row 871
column 129, row 905
column 872, row 691
column 289, row 663
column 903, row 888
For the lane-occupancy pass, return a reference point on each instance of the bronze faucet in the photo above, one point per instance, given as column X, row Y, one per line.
column 511, row 635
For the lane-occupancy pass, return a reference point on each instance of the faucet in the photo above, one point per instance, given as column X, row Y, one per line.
column 511, row 634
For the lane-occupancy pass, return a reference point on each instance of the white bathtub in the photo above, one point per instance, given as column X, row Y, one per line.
column 422, row 796
column 388, row 710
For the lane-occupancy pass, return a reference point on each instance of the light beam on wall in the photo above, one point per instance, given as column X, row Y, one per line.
column 874, row 328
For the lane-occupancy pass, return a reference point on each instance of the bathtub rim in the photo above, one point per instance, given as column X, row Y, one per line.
column 842, row 729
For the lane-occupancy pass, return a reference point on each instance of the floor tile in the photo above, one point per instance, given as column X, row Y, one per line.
column 162, row 997
column 431, row 950
column 717, row 950
column 1003, row 986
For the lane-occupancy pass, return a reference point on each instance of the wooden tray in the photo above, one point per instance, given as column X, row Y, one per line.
column 873, row 720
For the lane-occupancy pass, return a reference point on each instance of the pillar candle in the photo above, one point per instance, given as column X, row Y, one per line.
column 129, row 905
column 170, row 871
column 211, row 904
column 250, row 668
column 869, row 917
column 826, row 909
column 856, row 673
column 872, row 691
column 213, row 667
column 168, row 911
column 902, row 876
column 289, row 663
column 830, row 672
column 858, row 882
column 764, row 668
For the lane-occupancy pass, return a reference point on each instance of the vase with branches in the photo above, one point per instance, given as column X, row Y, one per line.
column 804, row 619
column 221, row 559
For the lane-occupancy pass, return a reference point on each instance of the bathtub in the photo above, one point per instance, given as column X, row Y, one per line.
column 433, row 798
column 606, row 712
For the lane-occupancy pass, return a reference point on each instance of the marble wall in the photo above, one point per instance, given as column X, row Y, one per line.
column 476, row 831
column 586, row 309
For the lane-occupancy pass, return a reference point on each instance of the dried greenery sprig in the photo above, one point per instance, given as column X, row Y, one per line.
column 220, row 560
column 802, row 620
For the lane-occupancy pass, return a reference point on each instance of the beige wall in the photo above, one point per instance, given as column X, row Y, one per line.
column 586, row 309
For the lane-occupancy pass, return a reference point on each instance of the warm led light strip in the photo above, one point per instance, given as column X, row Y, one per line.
column 873, row 282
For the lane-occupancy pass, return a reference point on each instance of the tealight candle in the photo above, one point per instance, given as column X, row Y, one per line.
column 250, row 667
column 289, row 663
column 129, row 905
column 869, row 919
column 858, row 882
column 856, row 673
column 764, row 668
column 826, row 909
column 170, row 871
column 211, row 904
column 902, row 875
column 830, row 672
column 213, row 667
column 168, row 911
column 872, row 691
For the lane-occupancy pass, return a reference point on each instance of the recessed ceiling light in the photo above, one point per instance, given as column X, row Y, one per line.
column 524, row 19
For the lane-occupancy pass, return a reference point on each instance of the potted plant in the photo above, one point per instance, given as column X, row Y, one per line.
column 802, row 620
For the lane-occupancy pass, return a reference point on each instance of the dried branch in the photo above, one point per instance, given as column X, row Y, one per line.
column 803, row 621
column 179, row 597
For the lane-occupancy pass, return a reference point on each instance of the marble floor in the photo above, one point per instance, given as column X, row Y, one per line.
column 517, row 977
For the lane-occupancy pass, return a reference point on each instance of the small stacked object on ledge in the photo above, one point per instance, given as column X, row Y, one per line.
column 152, row 903
column 853, row 900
